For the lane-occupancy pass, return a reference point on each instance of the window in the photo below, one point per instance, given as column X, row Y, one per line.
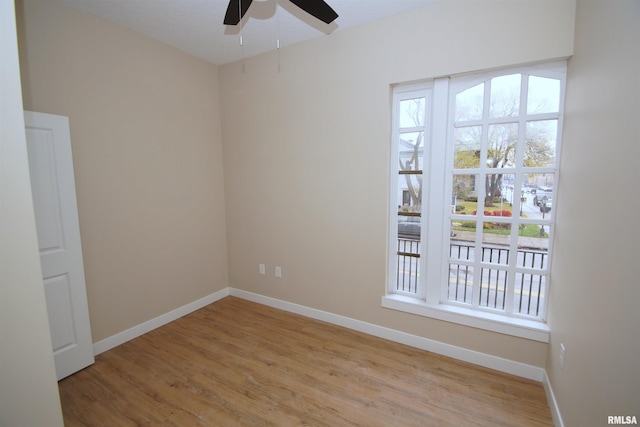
column 474, row 168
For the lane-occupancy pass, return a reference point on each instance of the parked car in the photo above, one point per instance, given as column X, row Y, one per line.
column 409, row 227
column 541, row 199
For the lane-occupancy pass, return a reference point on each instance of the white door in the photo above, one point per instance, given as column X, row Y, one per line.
column 56, row 211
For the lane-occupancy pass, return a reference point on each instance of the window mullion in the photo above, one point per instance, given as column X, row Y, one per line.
column 477, row 267
column 481, row 194
column 513, row 247
column 436, row 253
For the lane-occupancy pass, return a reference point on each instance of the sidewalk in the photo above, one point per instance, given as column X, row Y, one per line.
column 533, row 243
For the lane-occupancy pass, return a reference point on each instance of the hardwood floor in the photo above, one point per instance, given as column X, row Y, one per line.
column 239, row 363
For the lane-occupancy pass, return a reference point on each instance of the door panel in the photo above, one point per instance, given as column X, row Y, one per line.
column 54, row 199
column 57, row 291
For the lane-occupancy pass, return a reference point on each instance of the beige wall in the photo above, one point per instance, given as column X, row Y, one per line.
column 145, row 132
column 28, row 388
column 307, row 152
column 595, row 292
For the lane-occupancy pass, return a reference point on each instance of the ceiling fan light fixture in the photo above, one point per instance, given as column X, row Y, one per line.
column 317, row 8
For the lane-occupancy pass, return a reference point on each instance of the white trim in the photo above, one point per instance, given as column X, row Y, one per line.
column 523, row 328
column 403, row 93
column 434, row 194
column 486, row 360
column 552, row 402
column 163, row 319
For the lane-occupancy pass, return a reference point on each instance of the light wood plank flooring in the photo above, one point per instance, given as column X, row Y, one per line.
column 237, row 363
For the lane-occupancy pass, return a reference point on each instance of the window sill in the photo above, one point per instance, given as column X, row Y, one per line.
column 523, row 328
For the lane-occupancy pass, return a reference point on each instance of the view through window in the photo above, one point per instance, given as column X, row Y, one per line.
column 474, row 189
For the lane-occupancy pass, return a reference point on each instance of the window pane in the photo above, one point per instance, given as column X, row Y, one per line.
column 530, row 290
column 532, row 258
column 464, row 199
column 492, row 288
column 411, row 151
column 503, row 142
column 545, row 182
column 463, row 236
column 408, row 265
column 544, row 95
column 495, row 242
column 469, row 104
column 540, row 143
column 460, row 283
column 537, row 195
column 543, row 192
column 505, row 96
column 496, row 202
column 467, row 143
column 408, row 227
column 412, row 113
column 533, row 239
column 410, row 193
column 503, row 195
column 528, row 209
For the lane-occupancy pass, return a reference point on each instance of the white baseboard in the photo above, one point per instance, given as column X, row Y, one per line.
column 143, row 328
column 493, row 362
column 552, row 402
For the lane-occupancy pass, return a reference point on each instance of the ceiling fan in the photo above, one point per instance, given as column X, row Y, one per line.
column 318, row 8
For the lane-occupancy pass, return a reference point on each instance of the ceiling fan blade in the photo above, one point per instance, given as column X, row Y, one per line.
column 317, row 8
column 234, row 14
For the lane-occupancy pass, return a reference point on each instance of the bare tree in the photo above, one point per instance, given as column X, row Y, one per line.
column 413, row 111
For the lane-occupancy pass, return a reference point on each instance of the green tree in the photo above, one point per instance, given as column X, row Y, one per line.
column 502, row 138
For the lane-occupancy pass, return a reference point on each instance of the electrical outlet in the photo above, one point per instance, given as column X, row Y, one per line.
column 561, row 355
column 262, row 269
column 278, row 272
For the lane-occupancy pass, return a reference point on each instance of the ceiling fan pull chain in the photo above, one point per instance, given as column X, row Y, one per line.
column 277, row 24
column 241, row 28
column 240, row 15
column 278, row 32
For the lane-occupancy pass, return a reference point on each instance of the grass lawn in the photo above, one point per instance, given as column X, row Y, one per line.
column 526, row 230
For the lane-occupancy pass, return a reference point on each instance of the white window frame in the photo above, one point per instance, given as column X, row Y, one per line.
column 402, row 93
column 430, row 298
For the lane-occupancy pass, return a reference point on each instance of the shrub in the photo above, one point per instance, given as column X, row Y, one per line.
column 503, row 212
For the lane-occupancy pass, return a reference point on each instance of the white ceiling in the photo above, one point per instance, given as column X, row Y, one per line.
column 195, row 26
